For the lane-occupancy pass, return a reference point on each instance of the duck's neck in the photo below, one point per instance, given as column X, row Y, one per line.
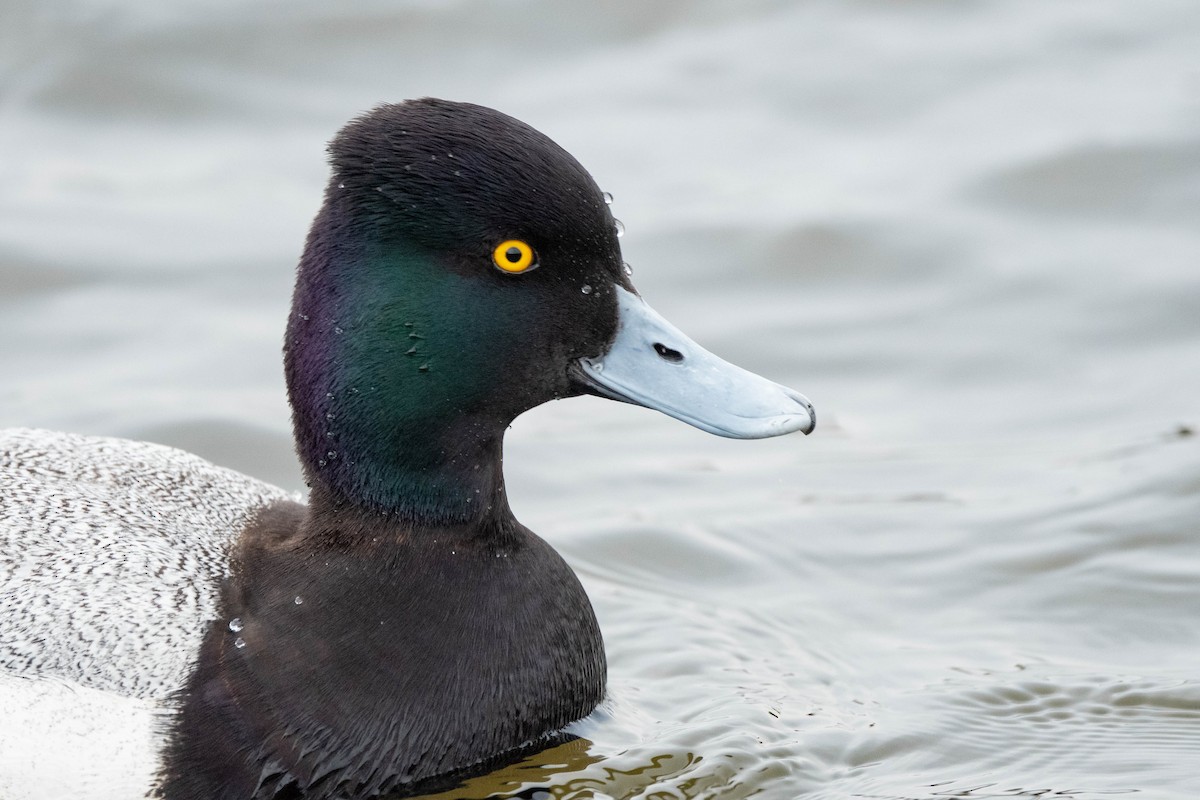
column 391, row 411
column 366, row 450
column 445, row 479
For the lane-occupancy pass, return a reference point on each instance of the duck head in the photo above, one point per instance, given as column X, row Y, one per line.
column 463, row 269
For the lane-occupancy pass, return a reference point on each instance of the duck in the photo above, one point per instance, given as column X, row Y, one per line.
column 173, row 629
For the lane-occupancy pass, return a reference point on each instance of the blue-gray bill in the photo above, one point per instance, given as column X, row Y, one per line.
column 652, row 363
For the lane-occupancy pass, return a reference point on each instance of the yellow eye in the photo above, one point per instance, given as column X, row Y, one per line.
column 514, row 256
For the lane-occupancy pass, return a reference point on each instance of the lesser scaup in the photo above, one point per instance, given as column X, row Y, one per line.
column 400, row 627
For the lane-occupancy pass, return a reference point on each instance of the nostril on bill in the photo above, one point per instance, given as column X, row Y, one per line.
column 667, row 354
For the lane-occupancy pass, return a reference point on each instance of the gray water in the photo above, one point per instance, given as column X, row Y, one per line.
column 969, row 231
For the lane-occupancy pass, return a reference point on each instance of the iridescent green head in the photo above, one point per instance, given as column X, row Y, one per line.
column 463, row 269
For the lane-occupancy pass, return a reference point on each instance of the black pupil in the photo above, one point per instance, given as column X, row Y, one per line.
column 513, row 254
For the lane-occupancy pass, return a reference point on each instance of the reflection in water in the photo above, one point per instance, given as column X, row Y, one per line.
column 570, row 771
column 577, row 775
column 522, row 778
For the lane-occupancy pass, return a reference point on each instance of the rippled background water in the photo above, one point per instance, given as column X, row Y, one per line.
column 969, row 231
